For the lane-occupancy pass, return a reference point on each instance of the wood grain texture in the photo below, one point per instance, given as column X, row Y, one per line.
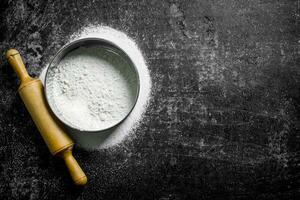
column 223, row 121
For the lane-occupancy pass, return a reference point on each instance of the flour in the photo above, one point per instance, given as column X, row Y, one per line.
column 92, row 88
column 126, row 128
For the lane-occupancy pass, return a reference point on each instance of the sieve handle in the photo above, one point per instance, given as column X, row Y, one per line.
column 15, row 60
column 75, row 170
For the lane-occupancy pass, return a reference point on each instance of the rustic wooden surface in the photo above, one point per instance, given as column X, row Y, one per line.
column 223, row 121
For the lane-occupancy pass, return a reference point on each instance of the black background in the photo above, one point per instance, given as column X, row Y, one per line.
column 223, row 120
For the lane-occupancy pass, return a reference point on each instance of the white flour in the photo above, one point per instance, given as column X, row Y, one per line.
column 92, row 89
column 115, row 136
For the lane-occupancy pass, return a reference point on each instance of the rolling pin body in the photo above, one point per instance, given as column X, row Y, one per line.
column 34, row 100
column 32, row 94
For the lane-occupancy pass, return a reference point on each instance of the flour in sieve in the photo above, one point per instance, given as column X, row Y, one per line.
column 92, row 88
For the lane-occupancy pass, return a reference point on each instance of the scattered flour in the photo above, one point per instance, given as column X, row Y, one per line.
column 115, row 136
column 92, row 88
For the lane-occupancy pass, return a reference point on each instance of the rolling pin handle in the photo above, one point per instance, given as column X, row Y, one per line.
column 15, row 60
column 75, row 170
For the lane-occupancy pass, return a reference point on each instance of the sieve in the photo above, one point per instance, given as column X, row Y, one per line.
column 111, row 48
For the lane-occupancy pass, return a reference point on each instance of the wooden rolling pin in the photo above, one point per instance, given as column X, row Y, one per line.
column 32, row 94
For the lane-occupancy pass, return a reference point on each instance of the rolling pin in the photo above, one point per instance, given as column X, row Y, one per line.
column 32, row 93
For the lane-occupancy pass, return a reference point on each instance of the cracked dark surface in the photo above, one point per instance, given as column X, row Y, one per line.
column 223, row 121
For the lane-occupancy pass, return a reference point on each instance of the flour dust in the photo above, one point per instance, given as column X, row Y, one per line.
column 65, row 97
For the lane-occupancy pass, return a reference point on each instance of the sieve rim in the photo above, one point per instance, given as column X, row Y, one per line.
column 67, row 48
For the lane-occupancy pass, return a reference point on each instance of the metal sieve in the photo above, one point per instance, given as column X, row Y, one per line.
column 90, row 42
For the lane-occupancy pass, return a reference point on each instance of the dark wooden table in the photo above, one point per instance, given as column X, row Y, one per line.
column 223, row 121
